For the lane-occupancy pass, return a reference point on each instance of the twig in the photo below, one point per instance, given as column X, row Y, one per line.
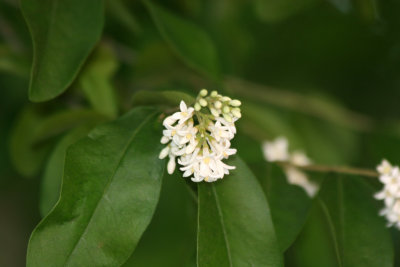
column 334, row 169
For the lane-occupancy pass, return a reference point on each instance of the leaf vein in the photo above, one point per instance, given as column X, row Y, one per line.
column 135, row 132
column 222, row 225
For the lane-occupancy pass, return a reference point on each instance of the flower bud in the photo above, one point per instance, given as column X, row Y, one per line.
column 164, row 140
column 171, row 165
column 202, row 102
column 235, row 103
column 197, row 107
column 236, row 112
column 218, row 104
column 226, row 109
column 164, row 152
column 203, row 92
column 214, row 112
column 226, row 98
column 227, row 117
column 214, row 93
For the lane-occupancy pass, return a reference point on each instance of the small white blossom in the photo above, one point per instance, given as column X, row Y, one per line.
column 199, row 142
column 385, row 167
column 278, row 150
column 298, row 177
column 389, row 176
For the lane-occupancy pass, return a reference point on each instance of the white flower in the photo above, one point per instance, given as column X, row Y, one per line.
column 297, row 177
column 384, row 167
column 276, row 150
column 389, row 176
column 298, row 158
column 171, row 165
column 200, row 149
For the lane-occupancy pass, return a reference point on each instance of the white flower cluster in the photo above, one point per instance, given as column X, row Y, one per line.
column 199, row 138
column 390, row 177
column 278, row 150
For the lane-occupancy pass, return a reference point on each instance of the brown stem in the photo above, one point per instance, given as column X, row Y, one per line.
column 335, row 169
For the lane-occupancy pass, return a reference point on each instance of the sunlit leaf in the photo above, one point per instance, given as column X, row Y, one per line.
column 235, row 225
column 63, row 34
column 188, row 40
column 111, row 185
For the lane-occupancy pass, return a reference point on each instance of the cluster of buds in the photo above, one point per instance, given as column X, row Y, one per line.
column 199, row 138
column 278, row 151
column 390, row 177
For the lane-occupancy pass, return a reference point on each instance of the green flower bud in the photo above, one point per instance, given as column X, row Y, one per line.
column 203, row 92
column 214, row 112
column 226, row 109
column 214, row 93
column 202, row 102
column 227, row 117
column 218, row 104
column 197, row 107
column 235, row 103
column 236, row 112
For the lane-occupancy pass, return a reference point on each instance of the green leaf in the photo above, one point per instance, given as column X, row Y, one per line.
column 162, row 98
column 111, row 185
column 189, row 41
column 11, row 62
column 63, row 34
column 313, row 247
column 235, row 226
column 289, row 207
column 170, row 239
column 95, row 81
column 276, row 11
column 64, row 120
column 51, row 182
column 359, row 235
column 26, row 157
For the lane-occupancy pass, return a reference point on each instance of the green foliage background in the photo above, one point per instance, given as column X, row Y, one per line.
column 323, row 73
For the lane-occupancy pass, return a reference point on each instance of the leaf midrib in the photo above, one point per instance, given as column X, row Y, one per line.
column 339, row 250
column 135, row 132
column 221, row 217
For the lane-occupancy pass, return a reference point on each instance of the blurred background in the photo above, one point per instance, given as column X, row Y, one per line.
column 324, row 73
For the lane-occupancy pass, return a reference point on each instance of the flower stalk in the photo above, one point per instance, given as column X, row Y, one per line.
column 332, row 169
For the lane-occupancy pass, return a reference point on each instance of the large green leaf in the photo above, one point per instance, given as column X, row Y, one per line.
column 63, row 34
column 51, row 182
column 111, row 184
column 359, row 235
column 235, row 225
column 289, row 206
column 314, row 246
column 189, row 41
column 170, row 239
